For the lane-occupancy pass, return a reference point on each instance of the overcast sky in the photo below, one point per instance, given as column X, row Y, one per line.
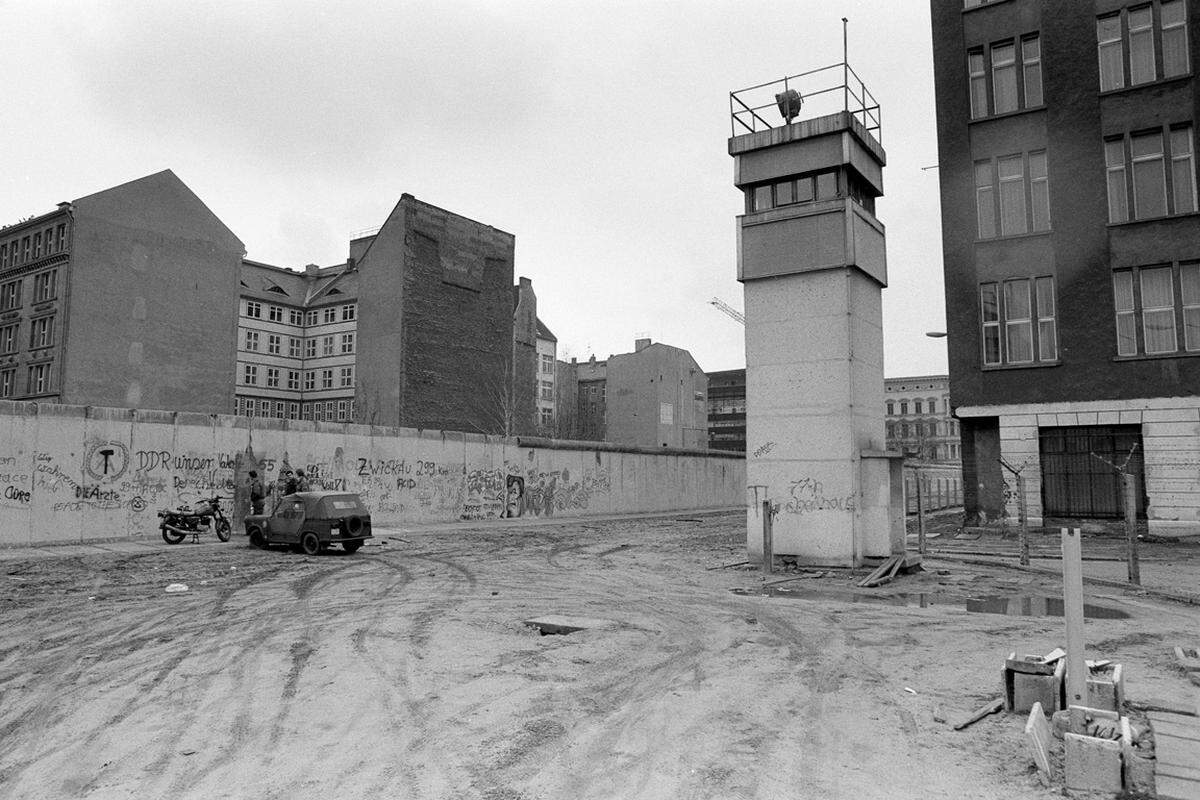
column 595, row 132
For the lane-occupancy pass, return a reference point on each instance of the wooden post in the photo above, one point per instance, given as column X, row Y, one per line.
column 768, row 556
column 1072, row 559
column 1135, row 572
column 1023, row 520
column 920, row 514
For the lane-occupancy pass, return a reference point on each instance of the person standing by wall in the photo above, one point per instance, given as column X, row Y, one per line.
column 302, row 484
column 256, row 493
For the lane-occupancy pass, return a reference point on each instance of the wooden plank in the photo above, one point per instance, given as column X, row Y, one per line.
column 1188, row 772
column 1175, row 725
column 877, row 576
column 993, row 707
column 1171, row 788
column 1170, row 750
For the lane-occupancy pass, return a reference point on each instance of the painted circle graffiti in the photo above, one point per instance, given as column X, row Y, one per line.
column 138, row 504
column 106, row 461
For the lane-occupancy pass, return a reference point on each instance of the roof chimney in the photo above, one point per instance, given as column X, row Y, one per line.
column 310, row 269
column 640, row 344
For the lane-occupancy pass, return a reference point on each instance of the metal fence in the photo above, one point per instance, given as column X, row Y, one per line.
column 821, row 91
column 941, row 488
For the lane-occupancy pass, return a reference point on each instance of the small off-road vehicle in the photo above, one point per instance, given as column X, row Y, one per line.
column 312, row 521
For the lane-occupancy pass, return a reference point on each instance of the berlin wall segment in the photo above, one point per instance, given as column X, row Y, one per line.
column 73, row 473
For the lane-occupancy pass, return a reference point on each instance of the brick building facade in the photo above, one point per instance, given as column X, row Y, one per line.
column 1067, row 139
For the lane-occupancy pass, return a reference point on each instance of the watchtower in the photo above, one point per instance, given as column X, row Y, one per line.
column 812, row 262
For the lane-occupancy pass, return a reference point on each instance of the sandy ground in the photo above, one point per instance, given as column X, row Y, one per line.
column 405, row 671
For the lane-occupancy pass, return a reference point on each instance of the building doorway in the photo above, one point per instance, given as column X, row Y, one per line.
column 1075, row 483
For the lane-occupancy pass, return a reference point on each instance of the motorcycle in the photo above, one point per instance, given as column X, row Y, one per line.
column 176, row 525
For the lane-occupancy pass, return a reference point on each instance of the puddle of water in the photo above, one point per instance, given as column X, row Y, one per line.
column 1008, row 605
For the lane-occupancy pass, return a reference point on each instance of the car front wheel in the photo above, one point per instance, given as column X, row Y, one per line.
column 257, row 539
column 310, row 543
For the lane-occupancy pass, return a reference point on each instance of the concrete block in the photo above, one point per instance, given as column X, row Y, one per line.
column 1024, row 689
column 1039, row 735
column 1106, row 689
column 1091, row 764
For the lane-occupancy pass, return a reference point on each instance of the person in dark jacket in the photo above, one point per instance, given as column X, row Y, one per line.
column 257, row 495
column 302, row 484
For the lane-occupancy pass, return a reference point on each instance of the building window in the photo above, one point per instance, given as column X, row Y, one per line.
column 1138, row 178
column 802, row 189
column 903, row 408
column 295, row 317
column 1148, row 312
column 41, row 332
column 274, row 344
column 10, row 295
column 39, row 379
column 977, row 76
column 8, row 338
column 275, row 313
column 891, row 430
column 1016, row 76
column 1023, row 187
column 331, row 314
column 932, row 406
column 252, row 341
column 1174, row 38
column 1007, row 313
column 310, row 381
column 294, row 345
column 1004, row 77
column 280, row 407
column 891, row 408
column 326, row 379
column 310, row 318
column 327, row 346
column 306, row 411
column 917, row 404
column 45, row 285
column 1132, row 33
column 8, row 382
column 293, row 380
column 347, row 342
column 348, row 312
column 250, row 374
column 310, row 348
column 272, row 378
column 347, row 376
column 62, row 237
column 547, row 390
column 293, row 411
column 342, row 408
column 253, row 309
column 1031, row 70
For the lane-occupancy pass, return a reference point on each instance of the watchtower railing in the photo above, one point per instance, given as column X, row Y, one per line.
column 824, row 90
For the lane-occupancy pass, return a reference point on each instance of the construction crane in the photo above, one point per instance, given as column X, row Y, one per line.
column 728, row 309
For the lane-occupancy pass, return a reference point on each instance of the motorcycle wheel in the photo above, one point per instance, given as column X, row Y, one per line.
column 223, row 529
column 171, row 537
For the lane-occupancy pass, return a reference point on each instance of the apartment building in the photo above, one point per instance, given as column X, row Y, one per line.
column 297, row 342
column 126, row 298
column 919, row 423
column 1067, row 140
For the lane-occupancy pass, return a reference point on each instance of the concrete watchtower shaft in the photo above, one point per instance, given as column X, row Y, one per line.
column 812, row 261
